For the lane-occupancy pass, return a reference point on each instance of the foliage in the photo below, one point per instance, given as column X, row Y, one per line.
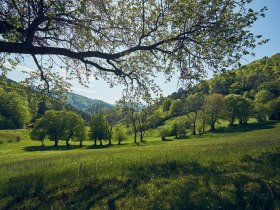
column 156, row 118
column 59, row 125
column 119, row 135
column 237, row 106
column 176, row 108
column 194, row 103
column 125, row 41
column 164, row 132
column 112, row 117
column 166, row 103
column 74, row 127
column 274, row 109
column 14, row 110
column 99, row 129
column 261, row 99
column 179, row 129
column 213, row 107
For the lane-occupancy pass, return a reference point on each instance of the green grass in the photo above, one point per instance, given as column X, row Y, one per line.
column 232, row 168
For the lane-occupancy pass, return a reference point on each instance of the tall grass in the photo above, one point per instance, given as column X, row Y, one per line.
column 232, row 168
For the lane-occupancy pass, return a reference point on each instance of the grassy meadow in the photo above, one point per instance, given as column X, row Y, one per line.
column 233, row 168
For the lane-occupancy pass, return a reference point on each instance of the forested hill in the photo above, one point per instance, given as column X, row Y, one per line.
column 21, row 105
column 248, row 80
column 83, row 103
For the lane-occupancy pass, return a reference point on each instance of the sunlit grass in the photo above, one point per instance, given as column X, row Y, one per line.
column 232, row 168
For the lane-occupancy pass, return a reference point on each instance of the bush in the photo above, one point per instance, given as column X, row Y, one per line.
column 119, row 135
column 164, row 132
column 179, row 130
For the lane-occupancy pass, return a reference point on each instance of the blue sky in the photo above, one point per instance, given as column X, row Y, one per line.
column 269, row 27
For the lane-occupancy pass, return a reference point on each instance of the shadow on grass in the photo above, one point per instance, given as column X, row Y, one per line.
column 104, row 146
column 168, row 140
column 71, row 147
column 247, row 127
column 50, row 148
column 252, row 183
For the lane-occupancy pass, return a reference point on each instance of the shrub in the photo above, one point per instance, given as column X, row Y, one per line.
column 164, row 132
column 119, row 135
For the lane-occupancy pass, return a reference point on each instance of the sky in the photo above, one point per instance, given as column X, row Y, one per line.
column 269, row 27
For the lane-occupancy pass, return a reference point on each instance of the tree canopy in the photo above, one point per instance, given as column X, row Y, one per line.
column 59, row 125
column 126, row 41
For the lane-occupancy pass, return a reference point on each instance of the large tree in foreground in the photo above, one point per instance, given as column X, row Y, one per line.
column 127, row 41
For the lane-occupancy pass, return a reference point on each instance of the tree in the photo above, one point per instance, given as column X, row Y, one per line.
column 99, row 129
column 74, row 127
column 176, row 107
column 239, row 107
column 156, row 117
column 194, row 104
column 112, row 117
column 178, row 129
column 39, row 132
column 260, row 104
column 59, row 125
column 126, row 39
column 274, row 109
column 214, row 105
column 120, row 135
column 263, row 96
column 14, row 110
column 129, row 109
column 166, row 103
column 164, row 132
column 231, row 108
column 52, row 124
column 142, row 121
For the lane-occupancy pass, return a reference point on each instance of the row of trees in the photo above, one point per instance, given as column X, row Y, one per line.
column 209, row 108
column 67, row 125
column 59, row 125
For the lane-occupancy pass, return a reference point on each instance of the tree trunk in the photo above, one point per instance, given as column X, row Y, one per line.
column 163, row 138
column 55, row 142
column 110, row 137
column 81, row 143
column 194, row 123
column 231, row 121
column 119, row 143
column 67, row 143
column 135, row 136
column 95, row 142
column 212, row 126
column 141, row 136
column 100, row 142
column 194, row 129
column 203, row 126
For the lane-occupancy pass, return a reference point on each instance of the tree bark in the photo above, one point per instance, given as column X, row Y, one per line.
column 110, row 138
column 135, row 136
column 67, row 143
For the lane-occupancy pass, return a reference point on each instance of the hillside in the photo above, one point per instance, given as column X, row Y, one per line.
column 83, row 103
column 248, row 80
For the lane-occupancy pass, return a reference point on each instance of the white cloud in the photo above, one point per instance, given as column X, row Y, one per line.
column 19, row 68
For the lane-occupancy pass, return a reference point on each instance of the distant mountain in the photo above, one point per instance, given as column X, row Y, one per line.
column 83, row 103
